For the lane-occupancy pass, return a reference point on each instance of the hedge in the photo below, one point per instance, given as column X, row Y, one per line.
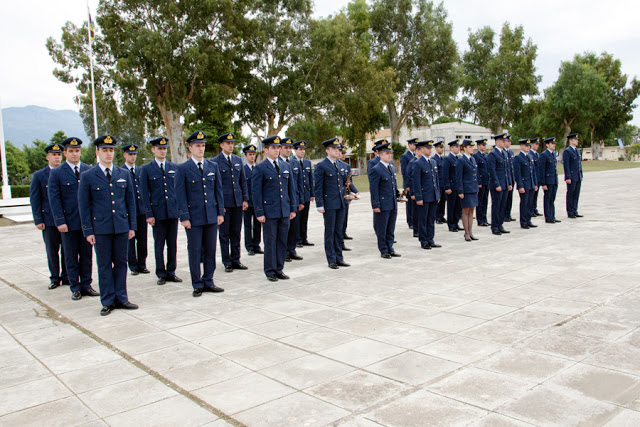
column 19, row 191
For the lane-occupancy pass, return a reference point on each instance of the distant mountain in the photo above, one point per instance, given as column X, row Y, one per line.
column 24, row 124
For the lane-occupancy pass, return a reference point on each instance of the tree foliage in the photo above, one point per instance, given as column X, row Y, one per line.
column 414, row 39
column 498, row 78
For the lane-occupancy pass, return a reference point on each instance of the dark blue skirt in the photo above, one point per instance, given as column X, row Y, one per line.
column 470, row 200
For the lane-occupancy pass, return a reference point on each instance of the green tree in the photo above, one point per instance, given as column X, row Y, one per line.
column 313, row 131
column 154, row 57
column 17, row 165
column 35, row 156
column 353, row 84
column 278, row 89
column 497, row 80
column 414, row 39
column 579, row 96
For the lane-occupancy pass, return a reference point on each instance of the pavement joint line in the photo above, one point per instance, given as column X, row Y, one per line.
column 56, row 316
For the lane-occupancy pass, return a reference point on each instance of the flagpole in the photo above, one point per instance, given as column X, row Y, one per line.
column 93, row 89
column 6, row 190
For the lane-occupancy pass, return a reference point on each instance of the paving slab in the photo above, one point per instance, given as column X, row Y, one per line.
column 413, row 341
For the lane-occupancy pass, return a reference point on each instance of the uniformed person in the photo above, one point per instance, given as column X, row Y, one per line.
column 510, row 169
column 406, row 157
column 442, row 202
column 407, row 184
column 467, row 187
column 158, row 192
column 426, row 190
column 201, row 211
column 286, row 145
column 454, row 209
column 499, row 183
column 330, row 190
column 535, row 156
column 526, row 179
column 345, row 170
column 483, row 182
column 107, row 205
column 300, row 148
column 43, row 218
column 572, row 163
column 274, row 199
column 137, row 245
column 236, row 200
column 384, row 193
column 63, row 198
column 548, row 175
column 252, row 227
column 376, row 159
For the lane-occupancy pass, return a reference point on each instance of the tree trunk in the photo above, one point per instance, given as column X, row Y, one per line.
column 395, row 122
column 595, row 145
column 567, row 131
column 175, row 131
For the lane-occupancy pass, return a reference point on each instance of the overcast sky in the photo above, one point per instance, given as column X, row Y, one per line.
column 560, row 28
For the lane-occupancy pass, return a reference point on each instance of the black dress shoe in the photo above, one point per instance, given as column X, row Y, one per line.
column 299, row 245
column 526, row 227
column 228, row 269
column 343, row 264
column 453, row 230
column 435, row 245
column 106, row 310
column 282, row 276
column 258, row 251
column 333, row 266
column 416, row 235
column 483, row 224
column 213, row 288
column 54, row 285
column 385, row 256
column 272, row 278
column 425, row 246
column 144, row 271
column 467, row 239
column 287, row 259
column 550, row 221
column 197, row 293
column 127, row 306
column 174, row 278
column 252, row 253
column 134, row 272
column 395, row 255
column 239, row 266
column 532, row 225
column 307, row 243
column 346, row 249
column 90, row 292
column 347, row 237
column 296, row 257
column 579, row 216
column 473, row 238
column 496, row 232
column 439, row 222
column 161, row 281
column 556, row 220
column 503, row 231
column 572, row 216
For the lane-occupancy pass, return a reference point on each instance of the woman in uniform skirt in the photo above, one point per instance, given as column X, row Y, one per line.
column 467, row 181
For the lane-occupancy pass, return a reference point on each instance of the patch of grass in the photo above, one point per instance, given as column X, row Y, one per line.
column 4, row 222
column 602, row 165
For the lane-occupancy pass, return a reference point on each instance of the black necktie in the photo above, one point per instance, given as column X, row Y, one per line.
column 133, row 173
column 287, row 160
column 162, row 168
column 389, row 167
column 229, row 160
column 200, row 167
column 301, row 165
column 108, row 174
column 77, row 173
column 275, row 163
column 335, row 165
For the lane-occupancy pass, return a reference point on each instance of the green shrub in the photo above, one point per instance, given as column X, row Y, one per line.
column 19, row 191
